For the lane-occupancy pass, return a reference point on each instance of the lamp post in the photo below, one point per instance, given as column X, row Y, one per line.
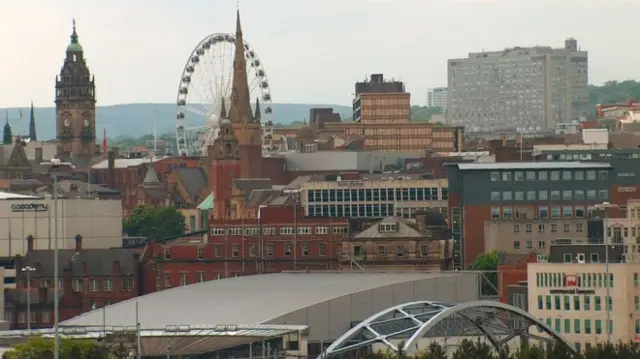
column 607, row 283
column 28, row 270
column 54, row 164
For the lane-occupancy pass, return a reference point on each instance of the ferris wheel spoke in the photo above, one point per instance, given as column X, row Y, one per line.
column 195, row 111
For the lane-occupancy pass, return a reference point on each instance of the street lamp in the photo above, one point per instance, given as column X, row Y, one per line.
column 605, row 206
column 28, row 270
column 54, row 164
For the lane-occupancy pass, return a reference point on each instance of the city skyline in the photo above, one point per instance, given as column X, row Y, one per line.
column 137, row 50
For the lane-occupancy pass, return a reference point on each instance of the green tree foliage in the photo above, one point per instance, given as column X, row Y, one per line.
column 614, row 92
column 488, row 262
column 155, row 222
column 41, row 348
column 468, row 349
column 424, row 113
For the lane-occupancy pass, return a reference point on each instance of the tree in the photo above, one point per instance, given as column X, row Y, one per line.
column 155, row 222
column 488, row 262
column 424, row 113
column 41, row 348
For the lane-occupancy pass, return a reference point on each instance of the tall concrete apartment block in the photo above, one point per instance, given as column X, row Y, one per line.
column 528, row 88
column 437, row 97
column 380, row 101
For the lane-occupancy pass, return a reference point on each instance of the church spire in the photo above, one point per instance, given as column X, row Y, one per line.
column 32, row 125
column 223, row 110
column 257, row 115
column 74, row 45
column 7, row 135
column 240, row 110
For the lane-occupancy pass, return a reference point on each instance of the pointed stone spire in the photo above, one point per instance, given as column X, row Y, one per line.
column 32, row 125
column 7, row 135
column 240, row 110
column 257, row 116
column 223, row 110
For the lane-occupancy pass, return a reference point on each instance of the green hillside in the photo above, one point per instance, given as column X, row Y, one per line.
column 134, row 120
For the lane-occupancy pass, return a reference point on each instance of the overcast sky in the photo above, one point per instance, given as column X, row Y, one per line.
column 313, row 51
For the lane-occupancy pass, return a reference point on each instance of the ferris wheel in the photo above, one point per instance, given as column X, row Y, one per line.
column 205, row 85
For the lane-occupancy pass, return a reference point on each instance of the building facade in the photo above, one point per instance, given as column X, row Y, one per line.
column 373, row 196
column 480, row 192
column 437, row 97
column 529, row 88
column 76, row 103
column 99, row 222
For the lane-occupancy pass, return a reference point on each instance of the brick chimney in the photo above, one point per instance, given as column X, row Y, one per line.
column 78, row 239
column 39, row 156
column 30, row 244
column 111, row 164
column 421, row 221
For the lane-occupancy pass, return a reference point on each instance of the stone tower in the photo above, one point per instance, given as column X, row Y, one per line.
column 245, row 125
column 224, row 157
column 75, row 103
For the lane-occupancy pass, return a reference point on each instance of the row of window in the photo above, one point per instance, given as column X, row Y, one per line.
column 91, row 284
column 567, row 303
column 579, row 326
column 254, row 231
column 543, row 212
column 556, row 175
column 582, row 280
column 551, row 195
column 377, row 194
column 351, row 210
column 553, row 227
column 383, row 251
column 236, row 250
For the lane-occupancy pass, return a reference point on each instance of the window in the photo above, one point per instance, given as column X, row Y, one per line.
column 543, row 195
column 126, row 284
column 77, row 285
column 566, row 227
column 322, row 249
column 591, row 175
column 541, row 228
column 518, row 176
column 591, row 194
column 495, row 176
column 527, row 227
column 567, row 211
column 555, row 211
column 555, row 175
column 270, row 250
column 200, row 277
column 543, row 212
column 200, row 253
column 400, row 251
column 167, row 253
column 516, row 244
column 603, row 195
column 519, row 195
column 566, row 175
column 382, row 251
column 579, row 227
column 424, row 250
column 567, row 302
column 579, row 211
column 235, row 250
column 108, row 285
column 603, row 175
column 531, row 176
column 287, row 249
column 576, row 326
column 94, row 285
column 506, row 212
column 507, row 196
column 516, row 228
column 495, row 195
column 554, row 228
column 506, row 176
column 543, row 176
column 322, row 230
column 578, row 175
column 495, row 212
column 305, row 249
column 541, row 244
column 576, row 302
column 183, row 278
column 531, row 195
column 287, row 231
column 253, row 251
column 218, row 251
column 167, row 279
column 304, row 230
column 567, row 195
column 566, row 258
column 540, row 303
column 597, row 304
column 587, row 302
column 579, row 195
column 555, row 195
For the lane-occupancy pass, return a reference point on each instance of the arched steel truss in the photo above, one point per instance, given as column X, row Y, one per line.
column 409, row 322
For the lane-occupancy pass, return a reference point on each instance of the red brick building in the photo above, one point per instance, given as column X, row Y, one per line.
column 512, row 270
column 89, row 279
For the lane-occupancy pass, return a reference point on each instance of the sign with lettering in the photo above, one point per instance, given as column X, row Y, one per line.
column 29, row 207
column 572, row 291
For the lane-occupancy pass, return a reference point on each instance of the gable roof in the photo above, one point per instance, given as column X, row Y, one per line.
column 207, row 203
column 18, row 157
column 194, row 180
column 151, row 177
column 404, row 230
column 248, row 185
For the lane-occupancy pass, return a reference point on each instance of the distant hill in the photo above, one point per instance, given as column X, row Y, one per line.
column 134, row 120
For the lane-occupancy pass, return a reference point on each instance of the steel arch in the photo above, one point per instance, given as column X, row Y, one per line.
column 417, row 319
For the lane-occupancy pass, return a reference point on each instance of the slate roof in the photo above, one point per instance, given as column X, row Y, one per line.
column 99, row 262
column 151, row 177
column 194, row 180
column 248, row 185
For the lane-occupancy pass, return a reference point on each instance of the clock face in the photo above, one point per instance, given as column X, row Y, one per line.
column 67, row 122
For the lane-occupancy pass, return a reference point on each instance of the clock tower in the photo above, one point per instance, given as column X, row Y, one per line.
column 75, row 103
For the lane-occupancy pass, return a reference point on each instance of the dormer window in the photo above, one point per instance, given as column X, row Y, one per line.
column 387, row 227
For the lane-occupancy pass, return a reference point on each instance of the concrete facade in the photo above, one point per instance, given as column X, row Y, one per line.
column 99, row 222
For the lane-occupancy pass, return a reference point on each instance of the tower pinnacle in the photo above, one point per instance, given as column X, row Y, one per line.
column 240, row 109
column 74, row 45
column 32, row 124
